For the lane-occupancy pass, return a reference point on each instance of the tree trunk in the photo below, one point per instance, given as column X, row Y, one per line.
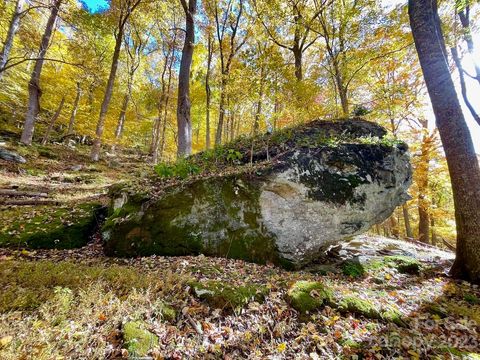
column 184, row 124
column 258, row 112
column 463, row 85
column 341, row 88
column 52, row 121
column 394, row 225
column 71, row 123
column 12, row 30
column 34, row 91
column 457, row 142
column 406, row 219
column 297, row 54
column 165, row 110
column 221, row 110
column 208, row 90
column 122, row 116
column 422, row 182
column 465, row 21
column 434, row 233
column 97, row 142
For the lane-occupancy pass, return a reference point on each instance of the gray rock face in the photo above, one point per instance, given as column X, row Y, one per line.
column 329, row 181
column 8, row 155
column 332, row 194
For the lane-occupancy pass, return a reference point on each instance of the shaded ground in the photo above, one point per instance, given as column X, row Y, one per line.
column 79, row 304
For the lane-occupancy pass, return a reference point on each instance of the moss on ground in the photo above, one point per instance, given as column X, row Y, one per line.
column 138, row 340
column 26, row 285
column 227, row 296
column 359, row 306
column 403, row 264
column 48, row 227
column 307, row 296
column 167, row 312
column 353, row 269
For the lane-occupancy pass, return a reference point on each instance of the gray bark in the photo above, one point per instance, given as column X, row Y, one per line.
column 52, row 121
column 184, row 124
column 456, row 139
column 71, row 123
column 12, row 30
column 122, row 20
column 34, row 90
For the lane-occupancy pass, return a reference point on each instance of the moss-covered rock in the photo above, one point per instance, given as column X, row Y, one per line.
column 62, row 227
column 404, row 264
column 359, row 306
column 138, row 341
column 307, row 296
column 394, row 316
column 353, row 268
column 316, row 192
column 227, row 296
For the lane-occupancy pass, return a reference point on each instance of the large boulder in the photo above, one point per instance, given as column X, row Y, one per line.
column 307, row 188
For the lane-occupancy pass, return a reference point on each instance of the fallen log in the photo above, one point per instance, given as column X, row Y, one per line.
column 16, row 193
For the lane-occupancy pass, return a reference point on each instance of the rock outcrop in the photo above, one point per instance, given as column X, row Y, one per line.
column 310, row 186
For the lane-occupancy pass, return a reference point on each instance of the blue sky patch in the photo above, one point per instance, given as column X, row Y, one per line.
column 94, row 6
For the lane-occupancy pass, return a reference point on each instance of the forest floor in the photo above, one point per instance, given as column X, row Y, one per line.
column 376, row 298
column 79, row 304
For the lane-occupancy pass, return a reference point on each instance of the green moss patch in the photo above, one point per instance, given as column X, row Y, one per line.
column 403, row 264
column 49, row 227
column 359, row 306
column 307, row 296
column 138, row 340
column 226, row 296
column 353, row 269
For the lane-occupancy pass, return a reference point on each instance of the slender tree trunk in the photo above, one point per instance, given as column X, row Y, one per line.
column 232, row 125
column 394, row 225
column 158, row 132
column 34, row 90
column 184, row 124
column 12, row 30
column 208, row 90
column 423, row 169
column 165, row 110
column 433, row 231
column 97, row 143
column 155, row 145
column 457, row 142
column 71, row 123
column 465, row 21
column 221, row 110
column 258, row 112
column 341, row 88
column 52, row 121
column 406, row 219
column 463, row 85
column 121, row 119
